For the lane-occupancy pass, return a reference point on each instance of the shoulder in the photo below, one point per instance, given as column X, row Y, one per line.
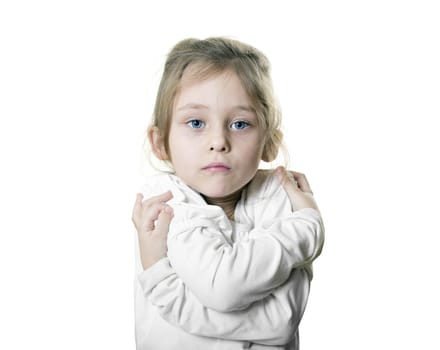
column 163, row 182
column 265, row 184
column 265, row 198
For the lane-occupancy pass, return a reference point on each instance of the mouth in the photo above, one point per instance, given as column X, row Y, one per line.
column 217, row 167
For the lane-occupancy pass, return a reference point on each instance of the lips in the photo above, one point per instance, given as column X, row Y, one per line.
column 217, row 167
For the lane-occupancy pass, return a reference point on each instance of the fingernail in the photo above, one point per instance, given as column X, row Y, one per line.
column 169, row 210
column 280, row 172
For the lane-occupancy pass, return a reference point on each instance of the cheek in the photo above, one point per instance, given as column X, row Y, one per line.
column 257, row 149
column 253, row 155
column 171, row 151
column 174, row 142
column 181, row 152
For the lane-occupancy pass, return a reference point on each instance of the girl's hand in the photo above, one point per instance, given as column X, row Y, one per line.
column 152, row 219
column 297, row 188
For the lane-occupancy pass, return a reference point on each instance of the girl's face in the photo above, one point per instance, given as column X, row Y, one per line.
column 215, row 143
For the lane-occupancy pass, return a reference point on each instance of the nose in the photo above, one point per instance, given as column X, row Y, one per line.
column 219, row 142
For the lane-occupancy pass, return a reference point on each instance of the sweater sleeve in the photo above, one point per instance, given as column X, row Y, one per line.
column 228, row 276
column 270, row 321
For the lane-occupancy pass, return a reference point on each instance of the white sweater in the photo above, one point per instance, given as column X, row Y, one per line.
column 228, row 285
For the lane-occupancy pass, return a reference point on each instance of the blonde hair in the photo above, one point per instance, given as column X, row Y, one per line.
column 214, row 56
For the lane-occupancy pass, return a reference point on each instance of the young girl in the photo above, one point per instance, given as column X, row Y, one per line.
column 224, row 250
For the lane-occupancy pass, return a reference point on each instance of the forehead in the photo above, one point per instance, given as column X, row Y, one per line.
column 214, row 90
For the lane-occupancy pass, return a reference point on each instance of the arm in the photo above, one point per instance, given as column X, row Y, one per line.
column 270, row 321
column 228, row 277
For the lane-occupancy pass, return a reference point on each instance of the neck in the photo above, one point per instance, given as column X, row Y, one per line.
column 227, row 203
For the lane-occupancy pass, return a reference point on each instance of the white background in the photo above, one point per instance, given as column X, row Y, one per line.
column 359, row 84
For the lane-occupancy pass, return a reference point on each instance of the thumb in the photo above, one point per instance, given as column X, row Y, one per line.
column 163, row 221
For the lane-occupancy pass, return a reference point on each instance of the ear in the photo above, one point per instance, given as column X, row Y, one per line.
column 270, row 151
column 269, row 154
column 157, row 143
column 271, row 147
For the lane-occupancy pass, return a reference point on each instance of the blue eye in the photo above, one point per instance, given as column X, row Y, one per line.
column 240, row 125
column 196, row 124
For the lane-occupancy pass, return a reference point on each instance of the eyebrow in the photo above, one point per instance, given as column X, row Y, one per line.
column 192, row 106
column 244, row 108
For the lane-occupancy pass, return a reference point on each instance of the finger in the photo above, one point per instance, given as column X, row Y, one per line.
column 164, row 197
column 145, row 212
column 138, row 201
column 287, row 181
column 163, row 221
column 283, row 175
column 137, row 208
column 151, row 215
column 139, row 197
column 303, row 184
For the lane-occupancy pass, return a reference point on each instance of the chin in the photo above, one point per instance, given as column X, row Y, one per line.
column 214, row 194
column 219, row 193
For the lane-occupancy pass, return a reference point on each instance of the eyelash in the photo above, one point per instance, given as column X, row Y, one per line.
column 191, row 122
column 201, row 124
column 245, row 124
